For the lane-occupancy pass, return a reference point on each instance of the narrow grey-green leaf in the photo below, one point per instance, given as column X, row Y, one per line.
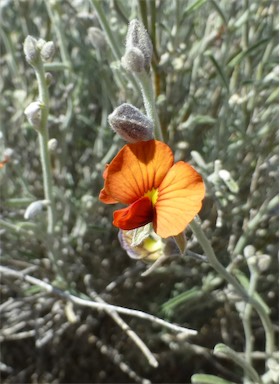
column 220, row 71
column 192, row 7
column 241, row 55
column 219, row 11
column 201, row 378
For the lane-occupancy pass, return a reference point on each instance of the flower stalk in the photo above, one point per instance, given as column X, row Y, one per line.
column 247, row 319
column 147, row 91
column 213, row 261
column 43, row 134
column 248, row 369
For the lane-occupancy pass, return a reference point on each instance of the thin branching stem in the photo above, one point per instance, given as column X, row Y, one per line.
column 248, row 369
column 111, row 39
column 46, row 165
column 247, row 325
column 124, row 326
column 55, row 18
column 219, row 268
column 92, row 304
column 266, row 206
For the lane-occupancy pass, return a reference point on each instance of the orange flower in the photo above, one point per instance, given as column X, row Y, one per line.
column 143, row 176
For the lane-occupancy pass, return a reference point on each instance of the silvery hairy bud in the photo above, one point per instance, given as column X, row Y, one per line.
column 139, row 48
column 40, row 43
column 52, row 145
column 31, row 50
column 97, row 38
column 33, row 114
column 47, row 51
column 131, row 124
column 49, row 78
column 133, row 60
column 35, row 208
column 228, row 180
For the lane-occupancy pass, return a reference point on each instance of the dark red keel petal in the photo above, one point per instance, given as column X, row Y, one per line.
column 136, row 215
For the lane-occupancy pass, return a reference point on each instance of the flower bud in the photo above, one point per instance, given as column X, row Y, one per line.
column 34, row 209
column 149, row 249
column 228, row 180
column 49, row 78
column 52, row 145
column 133, row 60
column 263, row 262
column 47, row 51
column 137, row 37
column 131, row 124
column 40, row 43
column 30, row 50
column 33, row 114
column 97, row 38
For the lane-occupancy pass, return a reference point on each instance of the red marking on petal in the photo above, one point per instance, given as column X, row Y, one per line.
column 136, row 215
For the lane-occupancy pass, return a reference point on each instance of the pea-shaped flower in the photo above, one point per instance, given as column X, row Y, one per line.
column 144, row 177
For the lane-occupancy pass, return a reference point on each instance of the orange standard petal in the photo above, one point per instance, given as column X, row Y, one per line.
column 104, row 196
column 136, row 215
column 137, row 169
column 180, row 197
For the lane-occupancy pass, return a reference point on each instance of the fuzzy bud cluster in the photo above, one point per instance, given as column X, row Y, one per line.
column 131, row 124
column 36, row 50
column 139, row 48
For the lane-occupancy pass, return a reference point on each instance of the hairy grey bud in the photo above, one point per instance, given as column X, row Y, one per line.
column 138, row 37
column 40, row 43
column 49, row 78
column 47, row 51
column 52, row 145
column 34, row 209
column 33, row 114
column 30, row 50
column 97, row 38
column 133, row 60
column 263, row 262
column 131, row 124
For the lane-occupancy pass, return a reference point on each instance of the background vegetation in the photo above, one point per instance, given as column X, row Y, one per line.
column 215, row 77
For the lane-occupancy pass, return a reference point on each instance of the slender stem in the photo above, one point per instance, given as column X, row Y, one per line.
column 266, row 206
column 46, row 164
column 114, row 45
column 248, row 369
column 142, row 5
column 53, row 11
column 15, row 228
column 245, row 38
column 97, row 4
column 149, row 101
column 93, row 304
column 213, row 261
column 124, row 326
column 247, row 319
column 153, row 24
column 43, row 140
